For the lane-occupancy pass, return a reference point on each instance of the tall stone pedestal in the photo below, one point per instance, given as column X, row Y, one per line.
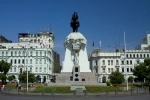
column 76, row 74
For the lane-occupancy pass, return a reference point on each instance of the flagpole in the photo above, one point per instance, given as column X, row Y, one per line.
column 125, row 60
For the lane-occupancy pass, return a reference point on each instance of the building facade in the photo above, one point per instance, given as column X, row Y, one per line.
column 4, row 40
column 103, row 63
column 33, row 52
column 145, row 43
column 57, row 67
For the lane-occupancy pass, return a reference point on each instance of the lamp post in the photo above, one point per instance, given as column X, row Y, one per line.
column 25, row 55
column 125, row 60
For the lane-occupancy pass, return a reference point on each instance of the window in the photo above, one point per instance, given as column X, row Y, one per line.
column 36, row 69
column 36, row 61
column 108, row 70
column 50, row 61
column 144, row 56
column 11, row 61
column 40, row 69
column 103, row 70
column 36, row 53
column 44, row 61
column 131, row 62
column 19, row 53
column 133, row 55
column 2, row 53
column 103, row 62
column 11, row 53
column 147, row 55
column 18, row 61
column 14, row 69
column 122, row 62
column 30, row 61
column 23, row 53
column 108, row 62
column 11, row 69
column 45, row 53
column 122, row 69
column 127, row 69
column 127, row 62
column 40, row 61
column 127, row 55
column 117, row 69
column 22, row 61
column 111, row 62
column 117, row 62
column 15, row 61
column 50, row 54
column 137, row 56
column 111, row 69
column 138, row 61
column 6, row 53
column 131, row 69
column 130, row 56
column 44, row 69
column 140, row 55
column 31, row 53
column 30, row 69
column 40, row 53
column 15, row 53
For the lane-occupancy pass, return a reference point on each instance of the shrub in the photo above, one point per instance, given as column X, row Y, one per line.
column 39, row 86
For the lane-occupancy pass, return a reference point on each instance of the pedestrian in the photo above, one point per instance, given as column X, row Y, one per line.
column 1, row 87
column 17, row 86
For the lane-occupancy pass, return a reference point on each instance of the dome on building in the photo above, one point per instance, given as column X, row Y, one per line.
column 75, row 36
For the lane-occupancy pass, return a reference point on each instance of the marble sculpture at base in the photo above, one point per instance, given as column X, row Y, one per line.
column 75, row 53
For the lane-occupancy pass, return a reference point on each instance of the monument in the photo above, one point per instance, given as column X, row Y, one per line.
column 75, row 67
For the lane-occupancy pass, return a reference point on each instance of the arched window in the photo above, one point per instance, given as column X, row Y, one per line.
column 127, row 55
column 137, row 56
column 130, row 56
column 131, row 62
column 144, row 56
column 133, row 55
column 147, row 55
column 140, row 55
column 127, row 62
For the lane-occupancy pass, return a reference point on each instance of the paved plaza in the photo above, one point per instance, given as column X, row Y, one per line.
column 125, row 97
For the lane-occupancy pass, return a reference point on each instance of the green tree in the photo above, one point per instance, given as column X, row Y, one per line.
column 142, row 71
column 23, row 77
column 10, row 78
column 4, row 68
column 116, row 78
column 130, row 79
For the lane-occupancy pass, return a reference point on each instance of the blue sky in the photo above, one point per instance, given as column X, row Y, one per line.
column 104, row 20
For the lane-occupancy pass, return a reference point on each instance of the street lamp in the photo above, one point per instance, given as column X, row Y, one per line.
column 125, row 60
column 25, row 54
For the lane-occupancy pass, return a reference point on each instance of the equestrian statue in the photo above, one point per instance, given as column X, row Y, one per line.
column 74, row 22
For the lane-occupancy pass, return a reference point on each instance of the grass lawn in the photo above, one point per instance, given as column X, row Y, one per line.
column 63, row 89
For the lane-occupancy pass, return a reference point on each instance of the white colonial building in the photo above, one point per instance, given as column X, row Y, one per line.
column 33, row 52
column 103, row 63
